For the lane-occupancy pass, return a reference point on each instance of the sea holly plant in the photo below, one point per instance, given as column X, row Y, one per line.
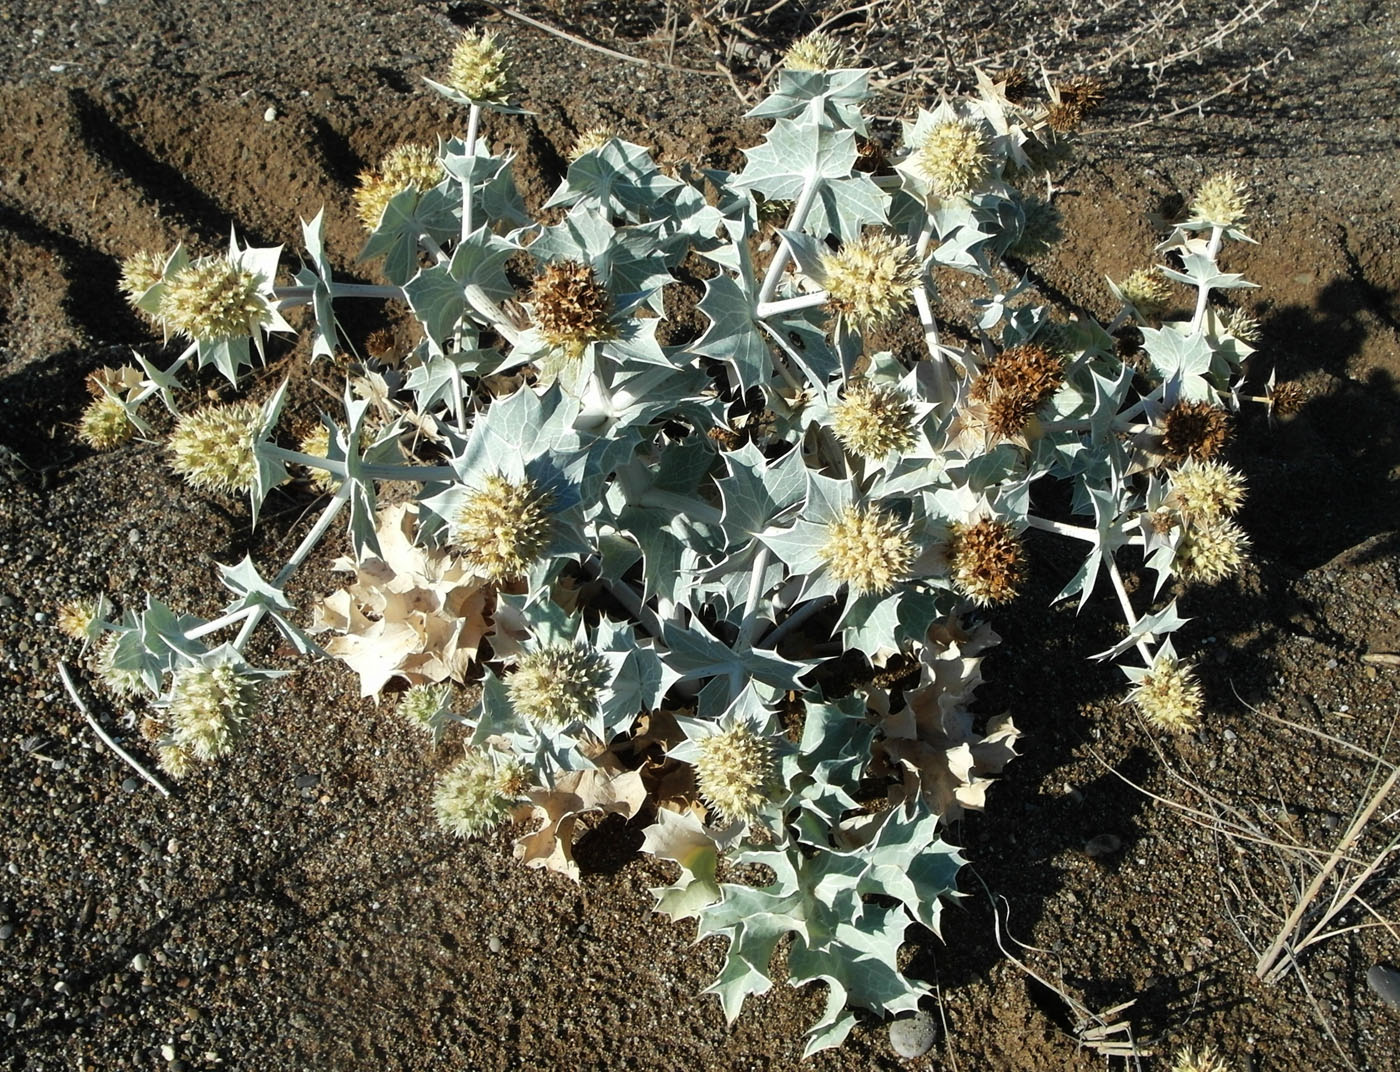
column 731, row 583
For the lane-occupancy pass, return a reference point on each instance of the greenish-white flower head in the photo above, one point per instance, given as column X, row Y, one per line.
column 591, row 140
column 77, row 617
column 424, row 707
column 952, row 157
column 475, row 796
column 558, row 684
column 175, row 760
column 1189, row 1059
column 118, row 680
column 1168, row 695
column 1221, row 201
column 211, row 706
column 405, row 167
column 1206, row 490
column 479, row 69
column 868, row 280
column 213, row 447
column 874, row 420
column 105, row 424
column 815, row 52
column 502, row 527
column 1147, row 291
column 868, row 549
column 140, row 272
column 1211, row 549
column 214, row 298
column 734, row 770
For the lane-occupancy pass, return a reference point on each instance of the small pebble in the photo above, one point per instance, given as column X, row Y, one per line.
column 139, row 962
column 168, row 1052
column 306, row 781
column 130, row 785
column 1229, row 735
column 494, row 944
column 6, row 932
column 914, row 1035
column 1102, row 845
column 270, row 116
column 1386, row 983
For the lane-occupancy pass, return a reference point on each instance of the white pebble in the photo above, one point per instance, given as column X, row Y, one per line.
column 494, row 944
column 914, row 1035
column 168, row 1052
column 270, row 115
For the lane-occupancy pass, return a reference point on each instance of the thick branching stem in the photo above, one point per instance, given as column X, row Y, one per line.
column 1217, row 236
column 810, row 187
column 1144, row 649
column 749, row 622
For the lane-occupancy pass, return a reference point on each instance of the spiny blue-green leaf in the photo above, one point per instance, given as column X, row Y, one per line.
column 829, row 97
column 247, row 583
column 1182, row 359
column 733, row 335
column 1150, row 627
column 324, row 341
column 796, row 151
column 619, row 178
column 437, row 294
column 408, row 215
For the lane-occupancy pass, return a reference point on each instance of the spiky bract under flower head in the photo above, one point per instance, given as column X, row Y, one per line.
column 987, row 561
column 571, row 306
column 104, row 423
column 868, row 550
column 1204, row 490
column 502, row 527
column 1206, row 1060
column 733, row 769
column 874, row 420
column 479, row 70
column 213, row 298
column 559, row 684
column 1147, row 291
column 868, row 280
column 1211, row 550
column 140, row 272
column 1222, row 200
column 210, row 708
column 75, row 617
column 474, row 797
column 590, row 140
column 1195, row 430
column 118, row 680
column 212, row 447
column 422, row 706
column 1169, row 696
column 405, row 167
column 816, row 52
column 952, row 158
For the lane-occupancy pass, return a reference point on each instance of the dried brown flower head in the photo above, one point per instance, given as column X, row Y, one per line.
column 571, row 306
column 987, row 560
column 1287, row 398
column 1195, row 430
column 1015, row 383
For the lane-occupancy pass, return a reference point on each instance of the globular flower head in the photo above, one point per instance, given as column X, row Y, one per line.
column 213, row 298
column 1286, row 398
column 423, row 706
column 1242, row 326
column 1211, row 550
column 1073, row 100
column 1015, row 383
column 140, row 272
column 502, row 527
column 952, row 158
column 317, row 443
column 1169, row 696
column 76, row 617
column 405, row 167
column 868, row 550
column 868, row 280
column 571, row 307
column 211, row 706
column 815, row 52
column 590, row 140
column 212, row 448
column 733, row 769
column 105, row 424
column 475, row 795
column 175, row 760
column 1195, row 430
column 1205, row 490
column 987, row 560
column 558, row 684
column 118, row 680
column 478, row 69
column 1189, row 1060
column 1222, row 200
column 1147, row 291
column 874, row 420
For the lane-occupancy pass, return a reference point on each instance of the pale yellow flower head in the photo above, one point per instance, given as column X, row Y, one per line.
column 213, row 298
column 1222, row 200
column 104, row 423
column 502, row 527
column 953, row 158
column 874, row 420
column 815, row 52
column 1212, row 549
column 478, row 69
column 210, row 708
column 733, row 769
column 212, row 448
column 868, row 280
column 558, row 685
column 1169, row 696
column 1147, row 291
column 1206, row 490
column 868, row 550
column 405, row 167
column 140, row 272
column 474, row 797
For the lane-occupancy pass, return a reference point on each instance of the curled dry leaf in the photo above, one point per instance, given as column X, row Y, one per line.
column 575, row 795
column 415, row 613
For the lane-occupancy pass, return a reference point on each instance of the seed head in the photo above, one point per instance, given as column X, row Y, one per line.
column 591, row 139
column 140, row 272
column 1029, row 372
column 76, row 616
column 1169, row 696
column 952, row 158
column 1073, row 101
column 572, row 308
column 317, row 443
column 405, row 167
column 175, row 760
column 815, row 52
column 213, row 298
column 1146, row 291
column 1188, row 1060
column 1242, row 326
column 868, row 550
column 501, row 528
column 1206, row 490
column 473, row 797
column 1287, row 398
column 1195, row 430
column 212, row 448
column 1222, row 200
column 1211, row 550
column 872, row 421
column 734, row 769
column 478, row 69
column 210, row 708
column 104, row 423
column 118, row 680
column 558, row 685
column 868, row 280
column 987, row 561
column 422, row 706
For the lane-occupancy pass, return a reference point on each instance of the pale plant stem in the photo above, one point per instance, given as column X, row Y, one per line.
column 1217, row 235
column 473, row 125
column 1078, row 532
column 218, row 623
column 1144, row 649
column 367, row 472
column 790, row 305
column 749, row 622
column 290, row 297
column 1118, row 321
column 810, row 186
column 477, row 298
column 796, row 619
column 106, row 738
